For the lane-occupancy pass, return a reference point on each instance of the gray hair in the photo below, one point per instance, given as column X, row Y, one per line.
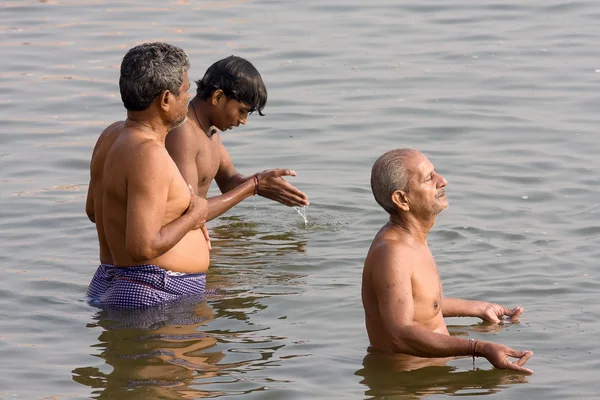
column 149, row 69
column 389, row 173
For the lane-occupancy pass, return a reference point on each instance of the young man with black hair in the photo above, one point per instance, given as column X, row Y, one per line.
column 230, row 90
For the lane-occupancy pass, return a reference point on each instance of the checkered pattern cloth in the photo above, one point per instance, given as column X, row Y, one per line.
column 141, row 286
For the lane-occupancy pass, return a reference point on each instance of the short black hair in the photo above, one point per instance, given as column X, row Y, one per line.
column 147, row 70
column 238, row 79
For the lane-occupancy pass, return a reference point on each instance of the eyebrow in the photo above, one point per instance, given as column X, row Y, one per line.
column 429, row 173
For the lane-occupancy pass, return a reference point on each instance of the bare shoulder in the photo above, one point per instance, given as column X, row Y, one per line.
column 148, row 153
column 107, row 138
column 103, row 145
column 183, row 139
column 390, row 253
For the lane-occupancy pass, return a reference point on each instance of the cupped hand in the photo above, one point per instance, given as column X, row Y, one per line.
column 273, row 186
column 495, row 313
column 498, row 355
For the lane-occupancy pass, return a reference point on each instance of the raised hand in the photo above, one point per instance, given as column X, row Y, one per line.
column 273, row 186
column 495, row 313
column 198, row 210
column 498, row 355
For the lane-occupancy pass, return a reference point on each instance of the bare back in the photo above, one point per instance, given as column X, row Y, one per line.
column 96, row 190
column 400, row 287
column 127, row 159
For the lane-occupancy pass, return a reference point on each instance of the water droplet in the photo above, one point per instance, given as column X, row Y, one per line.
column 302, row 212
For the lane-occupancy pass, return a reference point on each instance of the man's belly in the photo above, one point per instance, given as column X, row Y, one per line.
column 190, row 255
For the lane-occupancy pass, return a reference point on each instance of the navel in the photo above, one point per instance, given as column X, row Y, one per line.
column 436, row 304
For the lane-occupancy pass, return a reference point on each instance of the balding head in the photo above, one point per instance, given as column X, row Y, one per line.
column 390, row 173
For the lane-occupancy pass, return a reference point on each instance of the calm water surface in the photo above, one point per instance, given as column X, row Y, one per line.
column 503, row 97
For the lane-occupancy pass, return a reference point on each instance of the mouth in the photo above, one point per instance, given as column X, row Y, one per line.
column 441, row 193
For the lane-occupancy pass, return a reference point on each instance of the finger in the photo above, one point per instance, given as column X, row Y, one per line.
column 515, row 367
column 515, row 313
column 289, row 200
column 492, row 317
column 293, row 192
column 279, row 172
column 206, row 236
column 525, row 356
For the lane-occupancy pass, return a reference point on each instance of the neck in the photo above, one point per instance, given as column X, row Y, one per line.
column 148, row 122
column 417, row 229
column 201, row 114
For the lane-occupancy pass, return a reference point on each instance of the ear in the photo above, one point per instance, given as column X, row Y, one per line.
column 216, row 97
column 165, row 99
column 400, row 199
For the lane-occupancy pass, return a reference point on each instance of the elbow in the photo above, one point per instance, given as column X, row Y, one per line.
column 141, row 252
column 405, row 340
column 90, row 214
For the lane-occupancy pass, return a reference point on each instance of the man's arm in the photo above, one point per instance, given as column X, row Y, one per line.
column 391, row 278
column 480, row 309
column 147, row 193
column 392, row 283
column 228, row 178
column 183, row 149
column 89, row 204
column 272, row 184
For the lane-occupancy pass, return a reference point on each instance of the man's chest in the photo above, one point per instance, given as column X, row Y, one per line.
column 208, row 161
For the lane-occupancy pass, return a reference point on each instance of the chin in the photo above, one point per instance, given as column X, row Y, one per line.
column 179, row 123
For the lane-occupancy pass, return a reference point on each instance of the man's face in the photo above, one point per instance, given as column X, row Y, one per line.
column 230, row 113
column 182, row 99
column 426, row 193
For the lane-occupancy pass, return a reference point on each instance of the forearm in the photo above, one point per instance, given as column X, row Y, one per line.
column 220, row 204
column 420, row 342
column 164, row 240
column 232, row 182
column 461, row 308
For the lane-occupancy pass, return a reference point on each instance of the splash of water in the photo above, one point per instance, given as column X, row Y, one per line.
column 302, row 212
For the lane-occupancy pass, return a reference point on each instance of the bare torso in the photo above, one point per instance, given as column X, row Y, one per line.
column 208, row 159
column 111, row 171
column 198, row 155
column 426, row 288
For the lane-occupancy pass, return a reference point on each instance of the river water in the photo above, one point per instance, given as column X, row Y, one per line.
column 503, row 98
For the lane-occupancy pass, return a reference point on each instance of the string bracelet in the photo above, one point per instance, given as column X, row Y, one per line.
column 473, row 349
column 256, row 185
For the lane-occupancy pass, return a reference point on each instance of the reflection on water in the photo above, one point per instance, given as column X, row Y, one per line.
column 404, row 377
column 195, row 348
column 388, row 375
column 156, row 353
column 170, row 353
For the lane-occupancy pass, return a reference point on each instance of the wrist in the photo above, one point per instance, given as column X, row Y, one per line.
column 481, row 307
column 256, row 184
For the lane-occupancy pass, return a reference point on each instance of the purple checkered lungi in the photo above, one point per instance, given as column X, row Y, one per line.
column 141, row 286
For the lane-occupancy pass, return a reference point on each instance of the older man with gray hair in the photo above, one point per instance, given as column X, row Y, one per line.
column 401, row 287
column 153, row 247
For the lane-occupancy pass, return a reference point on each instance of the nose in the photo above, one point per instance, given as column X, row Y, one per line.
column 442, row 181
column 243, row 121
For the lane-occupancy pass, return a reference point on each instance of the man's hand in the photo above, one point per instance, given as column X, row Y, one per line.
column 207, row 237
column 274, row 187
column 198, row 210
column 498, row 354
column 495, row 312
